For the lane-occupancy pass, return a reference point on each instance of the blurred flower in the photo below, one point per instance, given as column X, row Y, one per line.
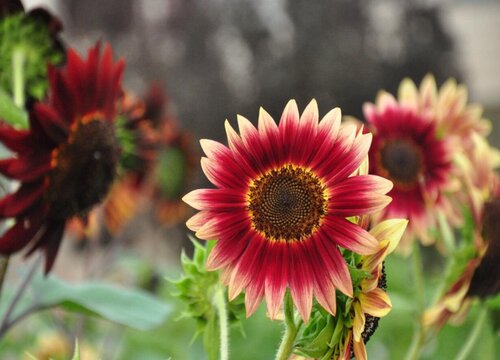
column 279, row 211
column 173, row 174
column 32, row 40
column 475, row 268
column 408, row 150
column 55, row 346
column 448, row 105
column 66, row 161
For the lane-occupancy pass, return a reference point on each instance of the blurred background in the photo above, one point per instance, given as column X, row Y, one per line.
column 219, row 58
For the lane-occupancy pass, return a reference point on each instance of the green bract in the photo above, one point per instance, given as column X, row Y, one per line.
column 27, row 40
column 198, row 288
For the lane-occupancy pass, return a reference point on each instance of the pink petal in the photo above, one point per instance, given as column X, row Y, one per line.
column 288, row 128
column 224, row 174
column 333, row 262
column 215, row 199
column 198, row 220
column 301, row 278
column 359, row 195
column 228, row 250
column 248, row 265
column 276, row 276
column 308, row 128
column 350, row 236
column 269, row 137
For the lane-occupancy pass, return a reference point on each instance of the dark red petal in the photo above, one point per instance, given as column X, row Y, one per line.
column 52, row 243
column 23, row 231
column 16, row 140
column 28, row 168
column 60, row 96
column 54, row 127
column 24, row 198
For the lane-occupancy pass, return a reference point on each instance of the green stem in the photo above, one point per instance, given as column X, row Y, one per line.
column 4, row 264
column 224, row 324
column 419, row 334
column 474, row 334
column 291, row 330
column 18, row 60
column 6, row 322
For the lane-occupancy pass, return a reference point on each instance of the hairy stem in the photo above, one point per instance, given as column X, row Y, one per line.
column 291, row 330
column 223, row 323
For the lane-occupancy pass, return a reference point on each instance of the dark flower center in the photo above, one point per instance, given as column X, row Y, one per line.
column 287, row 203
column 83, row 168
column 402, row 162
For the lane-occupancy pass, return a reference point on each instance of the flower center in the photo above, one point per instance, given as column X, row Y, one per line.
column 82, row 168
column 402, row 162
column 287, row 203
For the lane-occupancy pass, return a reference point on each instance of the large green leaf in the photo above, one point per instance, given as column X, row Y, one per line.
column 129, row 307
column 10, row 113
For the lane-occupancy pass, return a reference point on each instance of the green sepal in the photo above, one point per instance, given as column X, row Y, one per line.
column 197, row 288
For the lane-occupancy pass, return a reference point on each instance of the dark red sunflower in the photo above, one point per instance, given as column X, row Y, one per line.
column 66, row 161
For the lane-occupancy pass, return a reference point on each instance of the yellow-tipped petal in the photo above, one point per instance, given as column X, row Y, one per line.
column 390, row 230
column 408, row 94
column 376, row 302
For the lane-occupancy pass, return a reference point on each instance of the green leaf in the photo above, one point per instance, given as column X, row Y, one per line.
column 10, row 113
column 133, row 308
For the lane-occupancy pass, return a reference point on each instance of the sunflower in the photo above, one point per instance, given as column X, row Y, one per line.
column 66, row 161
column 408, row 150
column 279, row 211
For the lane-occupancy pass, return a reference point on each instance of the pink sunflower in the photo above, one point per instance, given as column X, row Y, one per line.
column 66, row 161
column 280, row 207
column 408, row 150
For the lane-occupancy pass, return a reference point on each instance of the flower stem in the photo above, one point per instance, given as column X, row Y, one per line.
column 18, row 60
column 6, row 322
column 419, row 334
column 223, row 323
column 291, row 330
column 473, row 336
column 4, row 264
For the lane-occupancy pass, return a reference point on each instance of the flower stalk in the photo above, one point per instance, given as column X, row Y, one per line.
column 18, row 62
column 466, row 349
column 418, row 339
column 291, row 330
column 223, row 323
